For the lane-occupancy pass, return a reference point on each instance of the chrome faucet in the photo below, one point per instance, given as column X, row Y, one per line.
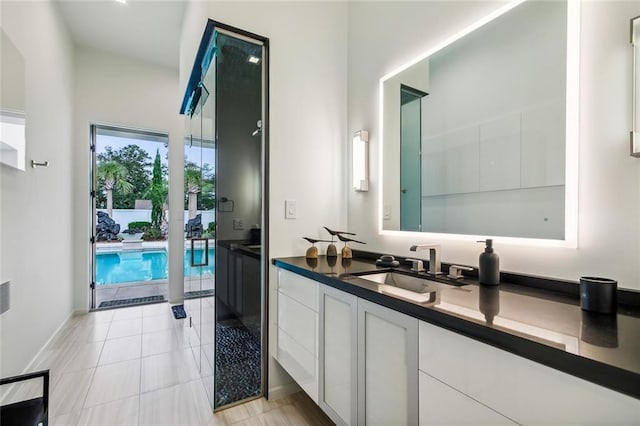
column 434, row 256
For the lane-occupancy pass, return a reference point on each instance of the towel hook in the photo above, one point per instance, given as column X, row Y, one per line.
column 35, row 164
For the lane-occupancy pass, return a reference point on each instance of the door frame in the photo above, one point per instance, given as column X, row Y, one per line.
column 93, row 188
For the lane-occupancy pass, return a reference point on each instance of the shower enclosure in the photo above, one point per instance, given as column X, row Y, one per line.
column 225, row 186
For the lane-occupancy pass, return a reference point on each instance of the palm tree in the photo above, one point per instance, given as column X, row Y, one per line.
column 113, row 176
column 192, row 182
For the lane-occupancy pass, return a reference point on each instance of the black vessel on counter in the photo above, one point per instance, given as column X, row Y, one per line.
column 598, row 294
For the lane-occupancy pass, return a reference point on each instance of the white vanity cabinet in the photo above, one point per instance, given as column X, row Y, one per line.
column 297, row 345
column 520, row 389
column 365, row 364
column 387, row 366
column 338, row 345
column 356, row 359
column 440, row 404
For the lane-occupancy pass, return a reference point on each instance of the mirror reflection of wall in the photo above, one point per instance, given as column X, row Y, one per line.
column 12, row 104
column 493, row 129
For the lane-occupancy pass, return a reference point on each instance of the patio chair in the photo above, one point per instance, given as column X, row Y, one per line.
column 31, row 412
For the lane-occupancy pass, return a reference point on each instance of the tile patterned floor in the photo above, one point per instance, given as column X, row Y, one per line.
column 134, row 366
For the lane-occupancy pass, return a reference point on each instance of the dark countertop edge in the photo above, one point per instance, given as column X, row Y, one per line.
column 615, row 378
column 240, row 247
column 627, row 297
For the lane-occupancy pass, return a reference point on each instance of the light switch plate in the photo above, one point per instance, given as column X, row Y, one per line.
column 386, row 214
column 290, row 210
column 238, row 224
column 5, row 297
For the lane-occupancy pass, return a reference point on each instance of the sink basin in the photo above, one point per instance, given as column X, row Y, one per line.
column 403, row 286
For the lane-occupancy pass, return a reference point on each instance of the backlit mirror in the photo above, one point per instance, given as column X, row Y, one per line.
column 12, row 111
column 476, row 134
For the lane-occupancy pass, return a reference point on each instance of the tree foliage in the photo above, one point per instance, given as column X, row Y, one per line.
column 157, row 192
column 137, row 162
column 199, row 181
column 113, row 179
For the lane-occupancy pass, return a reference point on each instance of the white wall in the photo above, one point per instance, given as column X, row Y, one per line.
column 111, row 89
column 307, row 109
column 609, row 186
column 36, row 225
column 124, row 217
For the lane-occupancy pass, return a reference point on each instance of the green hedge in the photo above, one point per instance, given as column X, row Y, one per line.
column 152, row 234
column 140, row 226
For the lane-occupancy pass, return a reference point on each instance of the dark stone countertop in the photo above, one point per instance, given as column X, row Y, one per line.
column 246, row 247
column 539, row 324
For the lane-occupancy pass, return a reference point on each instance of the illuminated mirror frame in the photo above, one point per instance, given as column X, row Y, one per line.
column 571, row 141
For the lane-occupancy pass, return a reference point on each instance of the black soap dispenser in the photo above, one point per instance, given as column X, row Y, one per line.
column 489, row 265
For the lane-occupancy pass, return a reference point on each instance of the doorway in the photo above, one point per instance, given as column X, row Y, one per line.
column 410, row 158
column 129, row 187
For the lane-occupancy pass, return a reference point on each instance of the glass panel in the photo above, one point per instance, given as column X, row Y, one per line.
column 238, row 78
column 199, row 229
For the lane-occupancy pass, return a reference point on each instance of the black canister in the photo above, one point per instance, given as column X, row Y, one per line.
column 598, row 294
column 255, row 235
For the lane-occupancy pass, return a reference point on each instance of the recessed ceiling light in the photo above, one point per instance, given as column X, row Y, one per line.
column 121, row 1
column 254, row 59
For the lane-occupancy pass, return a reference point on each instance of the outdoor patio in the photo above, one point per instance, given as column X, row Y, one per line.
column 127, row 294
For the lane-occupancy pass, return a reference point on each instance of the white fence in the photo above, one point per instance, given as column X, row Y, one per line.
column 125, row 216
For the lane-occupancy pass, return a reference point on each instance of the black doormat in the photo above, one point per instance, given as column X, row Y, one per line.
column 178, row 312
column 237, row 363
column 133, row 301
column 198, row 293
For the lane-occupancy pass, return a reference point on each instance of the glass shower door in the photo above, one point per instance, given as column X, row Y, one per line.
column 239, row 85
column 199, row 228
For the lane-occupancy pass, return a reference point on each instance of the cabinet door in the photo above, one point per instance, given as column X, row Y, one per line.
column 387, row 366
column 338, row 355
column 251, row 296
column 222, row 274
column 442, row 405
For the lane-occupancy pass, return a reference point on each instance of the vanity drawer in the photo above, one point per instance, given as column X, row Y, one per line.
column 299, row 288
column 298, row 321
column 518, row 388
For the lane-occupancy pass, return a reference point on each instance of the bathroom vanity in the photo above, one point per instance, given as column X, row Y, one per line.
column 452, row 351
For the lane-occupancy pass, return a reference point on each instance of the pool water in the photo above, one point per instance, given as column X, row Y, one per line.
column 134, row 266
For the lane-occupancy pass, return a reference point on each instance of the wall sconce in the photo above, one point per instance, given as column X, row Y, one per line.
column 635, row 108
column 360, row 158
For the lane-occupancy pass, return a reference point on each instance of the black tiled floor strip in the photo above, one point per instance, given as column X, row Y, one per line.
column 197, row 293
column 133, row 301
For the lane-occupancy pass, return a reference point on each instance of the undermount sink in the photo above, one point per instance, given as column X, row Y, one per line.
column 401, row 285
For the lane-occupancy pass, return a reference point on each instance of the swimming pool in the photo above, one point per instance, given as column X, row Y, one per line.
column 134, row 266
